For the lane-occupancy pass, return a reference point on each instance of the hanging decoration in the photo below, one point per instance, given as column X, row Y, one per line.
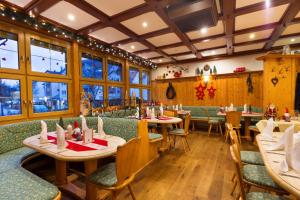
column 45, row 27
column 200, row 89
column 211, row 92
column 280, row 71
column 177, row 70
column 249, row 84
column 171, row 93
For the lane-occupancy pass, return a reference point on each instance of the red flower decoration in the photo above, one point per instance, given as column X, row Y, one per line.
column 211, row 92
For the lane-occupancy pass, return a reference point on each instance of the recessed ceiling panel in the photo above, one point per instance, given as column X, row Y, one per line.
column 258, row 18
column 149, row 54
column 165, row 39
column 109, row 35
column 113, row 7
column 249, row 47
column 133, row 46
column 253, row 36
column 295, row 28
column 214, row 52
column 211, row 43
column 298, row 15
column 184, row 57
column 175, row 50
column 243, row 3
column 286, row 41
column 215, row 30
column 20, row 3
column 69, row 15
column 145, row 23
column 161, row 60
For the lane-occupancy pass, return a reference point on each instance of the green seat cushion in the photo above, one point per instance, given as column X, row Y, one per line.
column 258, row 174
column 105, row 176
column 154, row 136
column 20, row 184
column 252, row 157
column 262, row 196
column 199, row 118
column 177, row 131
column 12, row 159
column 213, row 121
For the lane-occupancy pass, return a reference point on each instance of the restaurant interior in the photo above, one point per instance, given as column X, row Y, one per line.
column 149, row 99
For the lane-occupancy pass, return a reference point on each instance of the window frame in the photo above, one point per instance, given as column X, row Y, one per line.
column 23, row 96
column 94, row 83
column 138, row 69
column 21, row 49
column 52, row 113
column 107, row 92
column 49, row 40
column 122, row 62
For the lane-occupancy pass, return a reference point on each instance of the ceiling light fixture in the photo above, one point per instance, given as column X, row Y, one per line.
column 71, row 17
column 160, row 60
column 252, row 36
column 145, row 24
column 207, row 40
column 203, row 30
column 132, row 47
column 213, row 52
column 293, row 40
column 268, row 3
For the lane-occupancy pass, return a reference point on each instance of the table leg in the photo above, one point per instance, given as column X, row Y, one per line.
column 247, row 131
column 91, row 191
column 165, row 144
column 61, row 172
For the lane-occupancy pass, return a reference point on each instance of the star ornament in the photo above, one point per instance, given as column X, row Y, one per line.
column 211, row 92
column 200, row 91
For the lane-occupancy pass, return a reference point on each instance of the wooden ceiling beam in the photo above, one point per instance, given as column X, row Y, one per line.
column 256, row 28
column 131, row 13
column 287, row 17
column 39, row 6
column 91, row 28
column 228, row 21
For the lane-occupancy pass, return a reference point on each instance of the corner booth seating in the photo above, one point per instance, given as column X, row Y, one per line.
column 18, row 183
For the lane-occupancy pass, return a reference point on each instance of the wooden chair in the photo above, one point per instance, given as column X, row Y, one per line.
column 233, row 118
column 244, row 191
column 217, row 122
column 183, row 133
column 116, row 176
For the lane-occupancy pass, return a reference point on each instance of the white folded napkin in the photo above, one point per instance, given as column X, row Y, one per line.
column 161, row 110
column 245, row 108
column 176, row 107
column 295, row 157
column 61, row 141
column 83, row 124
column 280, row 145
column 152, row 113
column 180, row 106
column 100, row 128
column 43, row 134
column 137, row 113
column 267, row 132
column 147, row 112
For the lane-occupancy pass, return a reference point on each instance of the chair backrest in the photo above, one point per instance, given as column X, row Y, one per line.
column 233, row 117
column 170, row 113
column 126, row 160
column 234, row 156
column 234, row 139
column 187, row 123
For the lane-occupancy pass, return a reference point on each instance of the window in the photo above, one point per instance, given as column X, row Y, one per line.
column 48, row 58
column 146, row 94
column 92, row 67
column 145, row 78
column 115, row 95
column 96, row 91
column 9, row 56
column 134, row 76
column 10, row 97
column 49, row 96
column 114, row 71
column 136, row 91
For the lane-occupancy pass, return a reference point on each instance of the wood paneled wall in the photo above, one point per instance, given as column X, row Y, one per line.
column 231, row 88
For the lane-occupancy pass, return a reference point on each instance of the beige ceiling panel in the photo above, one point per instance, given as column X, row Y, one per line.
column 295, row 28
column 20, row 3
column 249, row 47
column 161, row 60
column 258, row 18
column 63, row 12
column 243, row 3
column 184, row 57
column 175, row 50
column 215, row 30
column 286, row 41
column 133, row 46
column 211, row 43
column 253, row 36
column 109, row 35
column 298, row 15
column 165, row 39
column 153, row 21
column 113, row 7
column 214, row 52
column 149, row 54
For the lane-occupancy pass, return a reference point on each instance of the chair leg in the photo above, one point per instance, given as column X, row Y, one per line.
column 182, row 140
column 220, row 127
column 239, row 134
column 114, row 195
column 174, row 140
column 226, row 135
column 233, row 188
column 193, row 128
column 233, row 177
column 187, row 143
column 131, row 192
column 209, row 129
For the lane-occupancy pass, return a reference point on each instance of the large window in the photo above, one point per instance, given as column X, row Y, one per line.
column 96, row 92
column 92, row 67
column 48, row 58
column 135, row 91
column 9, row 56
column 134, row 75
column 115, row 95
column 114, row 71
column 10, row 97
column 146, row 94
column 145, row 78
column 49, row 96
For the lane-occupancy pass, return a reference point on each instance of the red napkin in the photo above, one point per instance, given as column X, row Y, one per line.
column 72, row 146
column 100, row 142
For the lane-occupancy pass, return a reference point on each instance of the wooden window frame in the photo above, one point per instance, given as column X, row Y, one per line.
column 122, row 62
column 52, row 41
column 138, row 69
column 23, row 96
column 52, row 113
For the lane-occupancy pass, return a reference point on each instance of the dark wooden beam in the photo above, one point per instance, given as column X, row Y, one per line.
column 208, row 38
column 295, row 21
column 39, row 6
column 128, row 14
column 256, row 28
column 228, row 21
column 288, row 16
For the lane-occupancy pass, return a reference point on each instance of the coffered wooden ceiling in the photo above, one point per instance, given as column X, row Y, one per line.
column 145, row 29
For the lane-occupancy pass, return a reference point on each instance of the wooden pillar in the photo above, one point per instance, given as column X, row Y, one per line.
column 76, row 79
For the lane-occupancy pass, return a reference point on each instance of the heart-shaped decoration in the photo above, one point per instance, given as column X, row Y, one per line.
column 274, row 81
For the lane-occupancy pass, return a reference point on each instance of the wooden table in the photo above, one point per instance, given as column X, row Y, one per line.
column 272, row 160
column 281, row 124
column 247, row 119
column 63, row 156
column 164, row 125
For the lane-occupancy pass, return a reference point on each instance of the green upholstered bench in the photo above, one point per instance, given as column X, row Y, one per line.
column 120, row 113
